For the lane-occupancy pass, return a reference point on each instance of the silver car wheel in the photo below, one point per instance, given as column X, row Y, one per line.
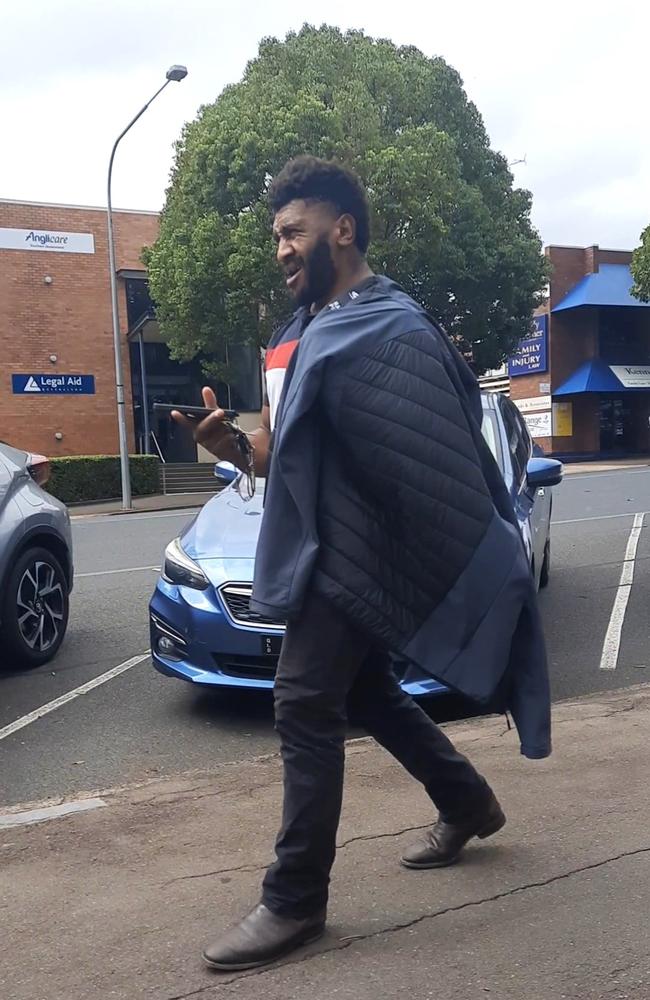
column 41, row 606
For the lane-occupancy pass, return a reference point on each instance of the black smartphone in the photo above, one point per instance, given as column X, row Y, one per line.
column 193, row 412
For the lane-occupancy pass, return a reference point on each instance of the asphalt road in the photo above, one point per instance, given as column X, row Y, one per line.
column 139, row 724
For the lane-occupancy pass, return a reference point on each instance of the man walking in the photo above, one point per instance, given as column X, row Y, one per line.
column 387, row 529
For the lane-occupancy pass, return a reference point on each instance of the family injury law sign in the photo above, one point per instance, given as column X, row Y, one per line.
column 531, row 355
column 61, row 385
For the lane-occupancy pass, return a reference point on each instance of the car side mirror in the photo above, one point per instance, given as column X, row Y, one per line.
column 543, row 472
column 226, row 473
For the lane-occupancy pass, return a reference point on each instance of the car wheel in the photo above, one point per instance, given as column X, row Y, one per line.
column 35, row 608
column 546, row 565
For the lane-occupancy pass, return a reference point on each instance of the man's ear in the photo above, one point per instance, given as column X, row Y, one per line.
column 346, row 233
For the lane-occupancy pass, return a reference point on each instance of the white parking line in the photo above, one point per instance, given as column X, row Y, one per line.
column 27, row 817
column 612, row 644
column 596, row 517
column 38, row 713
column 111, row 572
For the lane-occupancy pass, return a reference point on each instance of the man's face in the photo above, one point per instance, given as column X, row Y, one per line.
column 305, row 234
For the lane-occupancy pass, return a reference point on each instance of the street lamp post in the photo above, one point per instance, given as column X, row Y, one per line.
column 175, row 73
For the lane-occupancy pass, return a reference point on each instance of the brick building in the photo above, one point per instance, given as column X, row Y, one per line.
column 55, row 319
column 57, row 370
column 582, row 381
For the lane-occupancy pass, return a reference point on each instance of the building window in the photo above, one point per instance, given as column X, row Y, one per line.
column 245, row 387
column 621, row 340
column 138, row 300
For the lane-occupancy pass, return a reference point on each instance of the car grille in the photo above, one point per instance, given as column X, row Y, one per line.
column 251, row 667
column 236, row 597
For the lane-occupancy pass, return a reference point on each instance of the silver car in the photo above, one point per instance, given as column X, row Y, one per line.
column 36, row 571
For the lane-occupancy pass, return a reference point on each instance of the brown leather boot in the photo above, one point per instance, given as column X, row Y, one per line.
column 261, row 938
column 443, row 843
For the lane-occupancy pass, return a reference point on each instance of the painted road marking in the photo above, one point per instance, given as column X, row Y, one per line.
column 572, row 477
column 51, row 706
column 596, row 517
column 612, row 644
column 118, row 519
column 26, row 817
column 111, row 572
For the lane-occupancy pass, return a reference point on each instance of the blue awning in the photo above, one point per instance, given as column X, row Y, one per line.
column 595, row 376
column 610, row 286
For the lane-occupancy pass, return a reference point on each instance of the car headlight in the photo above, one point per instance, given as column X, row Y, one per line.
column 180, row 569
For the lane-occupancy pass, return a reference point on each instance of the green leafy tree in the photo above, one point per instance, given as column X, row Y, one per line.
column 641, row 268
column 446, row 221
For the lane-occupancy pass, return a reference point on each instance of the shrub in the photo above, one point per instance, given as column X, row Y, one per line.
column 83, row 478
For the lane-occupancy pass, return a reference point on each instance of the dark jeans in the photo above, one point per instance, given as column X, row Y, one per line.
column 329, row 672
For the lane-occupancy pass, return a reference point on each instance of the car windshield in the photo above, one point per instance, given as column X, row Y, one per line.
column 490, row 430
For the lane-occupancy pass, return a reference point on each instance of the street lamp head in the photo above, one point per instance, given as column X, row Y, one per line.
column 177, row 73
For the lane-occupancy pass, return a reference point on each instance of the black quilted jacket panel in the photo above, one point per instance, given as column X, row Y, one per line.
column 402, row 450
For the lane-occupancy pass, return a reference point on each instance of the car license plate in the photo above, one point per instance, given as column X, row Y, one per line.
column 271, row 645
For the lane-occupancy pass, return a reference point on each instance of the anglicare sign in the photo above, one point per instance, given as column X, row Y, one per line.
column 45, row 239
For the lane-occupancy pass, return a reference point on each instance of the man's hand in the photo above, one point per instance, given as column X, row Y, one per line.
column 211, row 433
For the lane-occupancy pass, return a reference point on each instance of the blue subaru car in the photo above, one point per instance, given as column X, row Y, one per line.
column 202, row 628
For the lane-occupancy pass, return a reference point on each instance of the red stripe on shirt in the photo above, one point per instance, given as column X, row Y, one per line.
column 280, row 356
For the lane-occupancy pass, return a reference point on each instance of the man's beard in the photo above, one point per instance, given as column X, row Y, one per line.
column 319, row 273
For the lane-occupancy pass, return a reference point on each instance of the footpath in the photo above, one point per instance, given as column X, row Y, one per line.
column 183, row 501
column 117, row 901
column 616, row 465
column 149, row 505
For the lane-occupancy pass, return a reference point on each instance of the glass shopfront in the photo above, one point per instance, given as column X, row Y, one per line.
column 625, row 423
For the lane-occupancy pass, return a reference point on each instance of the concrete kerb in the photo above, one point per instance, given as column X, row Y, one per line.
column 141, row 505
column 472, row 731
column 183, row 501
column 572, row 468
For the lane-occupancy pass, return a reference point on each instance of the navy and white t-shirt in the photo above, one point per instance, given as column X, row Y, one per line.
column 279, row 352
column 284, row 342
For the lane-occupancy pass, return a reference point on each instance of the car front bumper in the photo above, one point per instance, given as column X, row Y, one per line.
column 192, row 639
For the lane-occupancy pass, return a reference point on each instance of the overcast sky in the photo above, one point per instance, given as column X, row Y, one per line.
column 563, row 83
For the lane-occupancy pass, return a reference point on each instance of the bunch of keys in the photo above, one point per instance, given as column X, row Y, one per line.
column 247, row 452
column 197, row 413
